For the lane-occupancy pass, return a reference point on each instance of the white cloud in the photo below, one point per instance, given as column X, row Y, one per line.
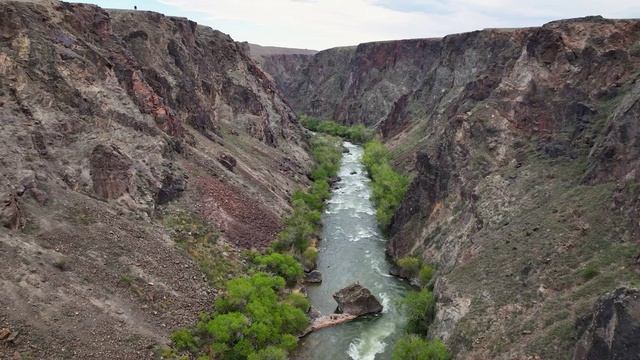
column 321, row 24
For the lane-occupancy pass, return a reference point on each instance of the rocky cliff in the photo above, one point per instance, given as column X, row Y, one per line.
column 132, row 143
column 523, row 147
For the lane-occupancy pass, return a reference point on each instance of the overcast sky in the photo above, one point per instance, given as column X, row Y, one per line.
column 321, row 24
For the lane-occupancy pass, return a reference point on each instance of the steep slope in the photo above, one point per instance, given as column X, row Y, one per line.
column 132, row 144
column 523, row 148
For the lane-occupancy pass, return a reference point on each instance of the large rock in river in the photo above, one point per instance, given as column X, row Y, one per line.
column 357, row 300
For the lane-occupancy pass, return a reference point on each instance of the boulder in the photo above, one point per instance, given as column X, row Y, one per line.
column 11, row 215
column 357, row 300
column 613, row 329
column 173, row 185
column 313, row 277
column 228, row 161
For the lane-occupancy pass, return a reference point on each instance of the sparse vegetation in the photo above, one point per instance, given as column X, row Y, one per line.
column 356, row 133
column 200, row 240
column 126, row 279
column 589, row 272
column 388, row 185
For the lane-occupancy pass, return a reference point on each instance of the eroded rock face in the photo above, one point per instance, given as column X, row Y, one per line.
column 111, row 172
column 356, row 300
column 11, row 215
column 614, row 328
column 113, row 121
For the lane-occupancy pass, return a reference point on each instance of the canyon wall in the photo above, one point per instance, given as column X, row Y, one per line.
column 132, row 143
column 523, row 149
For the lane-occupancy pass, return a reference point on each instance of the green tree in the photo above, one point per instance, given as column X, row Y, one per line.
column 282, row 265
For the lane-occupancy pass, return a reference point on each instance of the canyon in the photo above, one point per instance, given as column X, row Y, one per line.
column 523, row 149
column 144, row 154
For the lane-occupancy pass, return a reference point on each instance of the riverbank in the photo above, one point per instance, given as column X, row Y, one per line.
column 352, row 248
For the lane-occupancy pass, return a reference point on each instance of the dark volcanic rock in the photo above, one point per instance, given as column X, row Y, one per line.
column 227, row 161
column 357, row 300
column 313, row 277
column 173, row 184
column 614, row 329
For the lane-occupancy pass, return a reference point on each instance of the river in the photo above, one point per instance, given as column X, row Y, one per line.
column 352, row 249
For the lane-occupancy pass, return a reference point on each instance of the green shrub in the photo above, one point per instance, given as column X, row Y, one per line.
column 183, row 340
column 590, row 272
column 412, row 347
column 270, row 353
column 425, row 275
column 420, row 307
column 282, row 265
column 411, row 265
column 309, row 256
column 388, row 186
column 357, row 133
column 254, row 319
column 299, row 301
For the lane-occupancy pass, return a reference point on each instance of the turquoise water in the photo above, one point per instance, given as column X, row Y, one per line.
column 352, row 249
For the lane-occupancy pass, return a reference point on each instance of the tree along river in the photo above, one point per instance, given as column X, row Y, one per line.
column 353, row 249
